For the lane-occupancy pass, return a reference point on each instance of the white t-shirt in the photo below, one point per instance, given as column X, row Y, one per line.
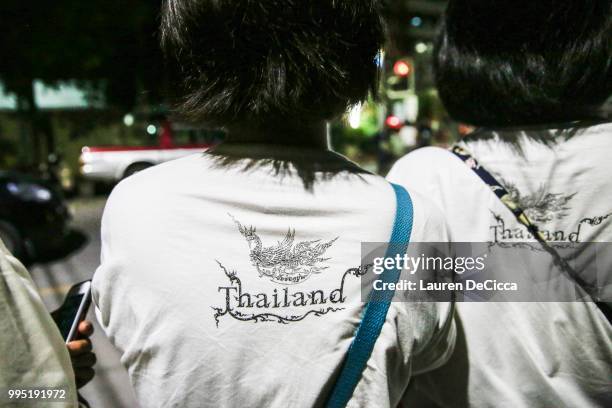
column 33, row 355
column 522, row 354
column 226, row 281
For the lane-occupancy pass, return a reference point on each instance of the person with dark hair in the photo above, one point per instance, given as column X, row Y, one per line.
column 273, row 62
column 534, row 62
column 232, row 278
column 534, row 78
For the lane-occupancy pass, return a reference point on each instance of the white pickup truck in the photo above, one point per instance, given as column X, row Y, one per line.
column 113, row 163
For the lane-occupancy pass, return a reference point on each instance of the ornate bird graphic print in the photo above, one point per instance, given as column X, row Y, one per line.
column 286, row 262
column 541, row 206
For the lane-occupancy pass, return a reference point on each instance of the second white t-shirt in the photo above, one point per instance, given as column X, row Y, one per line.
column 522, row 354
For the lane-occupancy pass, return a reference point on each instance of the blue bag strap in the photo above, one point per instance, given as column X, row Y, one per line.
column 375, row 312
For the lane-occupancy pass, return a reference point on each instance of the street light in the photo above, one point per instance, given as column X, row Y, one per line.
column 420, row 47
column 402, row 68
column 400, row 82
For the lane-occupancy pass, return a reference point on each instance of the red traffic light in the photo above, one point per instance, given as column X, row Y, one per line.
column 402, row 68
column 394, row 122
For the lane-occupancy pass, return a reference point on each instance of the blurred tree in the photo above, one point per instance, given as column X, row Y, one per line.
column 107, row 46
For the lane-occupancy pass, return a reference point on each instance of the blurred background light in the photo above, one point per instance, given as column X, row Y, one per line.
column 402, row 68
column 354, row 117
column 394, row 122
column 379, row 60
column 420, row 47
column 128, row 120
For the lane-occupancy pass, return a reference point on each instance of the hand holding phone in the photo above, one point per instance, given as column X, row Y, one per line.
column 73, row 310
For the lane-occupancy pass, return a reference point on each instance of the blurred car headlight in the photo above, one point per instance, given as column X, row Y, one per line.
column 30, row 191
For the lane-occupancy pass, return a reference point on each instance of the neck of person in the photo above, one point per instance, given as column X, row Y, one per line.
column 312, row 136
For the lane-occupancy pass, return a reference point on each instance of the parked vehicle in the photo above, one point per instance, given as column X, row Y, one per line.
column 33, row 215
column 113, row 163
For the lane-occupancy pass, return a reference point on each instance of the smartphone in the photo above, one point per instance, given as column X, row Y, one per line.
column 73, row 310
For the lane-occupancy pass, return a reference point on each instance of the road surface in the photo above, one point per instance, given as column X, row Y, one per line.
column 111, row 386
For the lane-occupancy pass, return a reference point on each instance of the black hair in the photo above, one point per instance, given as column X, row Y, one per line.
column 524, row 62
column 266, row 61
